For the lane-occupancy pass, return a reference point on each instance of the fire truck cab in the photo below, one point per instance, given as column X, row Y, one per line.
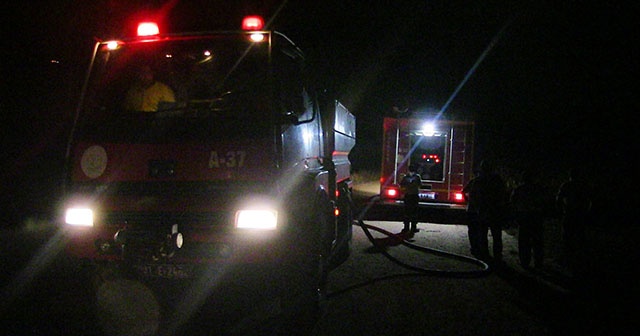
column 442, row 151
column 243, row 162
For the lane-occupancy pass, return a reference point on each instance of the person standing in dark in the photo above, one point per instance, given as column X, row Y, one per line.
column 574, row 203
column 487, row 210
column 473, row 220
column 527, row 202
column 410, row 185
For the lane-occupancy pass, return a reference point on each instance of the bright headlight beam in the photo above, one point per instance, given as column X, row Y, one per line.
column 79, row 217
column 257, row 219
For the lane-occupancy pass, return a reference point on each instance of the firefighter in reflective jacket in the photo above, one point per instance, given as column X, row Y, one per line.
column 410, row 185
column 147, row 93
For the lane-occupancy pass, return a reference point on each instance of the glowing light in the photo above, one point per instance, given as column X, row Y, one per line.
column 112, row 45
column 253, row 22
column 79, row 217
column 257, row 219
column 428, row 129
column 148, row 29
column 459, row 197
column 257, row 37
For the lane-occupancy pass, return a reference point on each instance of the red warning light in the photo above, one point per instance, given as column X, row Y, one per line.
column 393, row 193
column 431, row 158
column 148, row 29
column 253, row 22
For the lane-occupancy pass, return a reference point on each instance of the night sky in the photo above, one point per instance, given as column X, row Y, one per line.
column 555, row 88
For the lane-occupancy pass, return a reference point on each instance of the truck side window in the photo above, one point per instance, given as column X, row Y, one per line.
column 288, row 82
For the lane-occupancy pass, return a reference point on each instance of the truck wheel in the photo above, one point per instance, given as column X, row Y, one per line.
column 304, row 277
column 344, row 229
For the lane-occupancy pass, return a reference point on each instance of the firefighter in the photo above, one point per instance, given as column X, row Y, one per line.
column 528, row 208
column 487, row 196
column 410, row 185
column 147, row 92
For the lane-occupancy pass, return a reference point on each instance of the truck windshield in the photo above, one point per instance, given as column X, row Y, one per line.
column 203, row 88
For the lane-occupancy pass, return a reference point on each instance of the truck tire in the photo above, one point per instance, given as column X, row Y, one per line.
column 304, row 276
column 344, row 228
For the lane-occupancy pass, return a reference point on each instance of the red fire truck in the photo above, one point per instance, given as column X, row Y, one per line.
column 442, row 151
column 245, row 163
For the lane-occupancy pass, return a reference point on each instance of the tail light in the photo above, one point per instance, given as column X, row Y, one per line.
column 391, row 193
column 458, row 197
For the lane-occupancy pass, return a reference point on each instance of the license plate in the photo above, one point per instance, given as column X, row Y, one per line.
column 427, row 195
column 166, row 271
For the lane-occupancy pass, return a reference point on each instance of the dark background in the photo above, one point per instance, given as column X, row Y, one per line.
column 555, row 89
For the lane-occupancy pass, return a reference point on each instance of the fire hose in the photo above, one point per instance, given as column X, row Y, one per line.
column 483, row 270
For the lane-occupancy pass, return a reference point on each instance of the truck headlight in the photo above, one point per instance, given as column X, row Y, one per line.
column 257, row 219
column 79, row 217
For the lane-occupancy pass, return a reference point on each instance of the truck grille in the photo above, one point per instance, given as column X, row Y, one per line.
column 148, row 220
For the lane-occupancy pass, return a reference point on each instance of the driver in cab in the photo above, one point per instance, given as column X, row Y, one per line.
column 147, row 93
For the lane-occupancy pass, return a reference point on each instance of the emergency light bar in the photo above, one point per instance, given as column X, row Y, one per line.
column 148, row 29
column 253, row 22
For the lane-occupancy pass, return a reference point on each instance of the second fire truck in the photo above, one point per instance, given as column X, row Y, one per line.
column 442, row 151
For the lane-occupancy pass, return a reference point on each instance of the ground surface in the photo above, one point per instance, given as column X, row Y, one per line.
column 379, row 290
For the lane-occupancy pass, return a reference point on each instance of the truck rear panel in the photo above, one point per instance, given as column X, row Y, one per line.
column 442, row 150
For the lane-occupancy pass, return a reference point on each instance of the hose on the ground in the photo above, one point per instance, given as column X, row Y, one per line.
column 416, row 271
column 483, row 271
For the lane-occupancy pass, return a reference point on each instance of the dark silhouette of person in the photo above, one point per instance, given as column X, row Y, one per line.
column 410, row 185
column 527, row 203
column 574, row 203
column 473, row 224
column 487, row 210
